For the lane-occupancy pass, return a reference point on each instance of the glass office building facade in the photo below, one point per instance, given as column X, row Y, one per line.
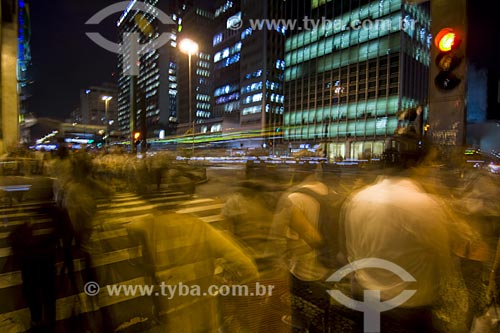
column 156, row 91
column 248, row 66
column 352, row 67
column 195, row 21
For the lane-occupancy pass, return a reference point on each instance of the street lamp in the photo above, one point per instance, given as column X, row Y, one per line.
column 106, row 100
column 189, row 47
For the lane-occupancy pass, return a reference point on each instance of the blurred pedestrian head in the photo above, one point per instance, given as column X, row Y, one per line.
column 81, row 166
column 62, row 152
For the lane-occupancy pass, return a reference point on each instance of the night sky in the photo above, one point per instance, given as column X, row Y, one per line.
column 65, row 60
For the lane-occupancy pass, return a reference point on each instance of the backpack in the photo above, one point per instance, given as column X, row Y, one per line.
column 332, row 251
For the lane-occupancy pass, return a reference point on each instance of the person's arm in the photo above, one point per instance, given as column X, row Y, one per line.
column 226, row 248
column 301, row 225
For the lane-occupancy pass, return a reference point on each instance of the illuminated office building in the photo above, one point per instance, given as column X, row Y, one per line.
column 227, row 44
column 156, row 88
column 352, row 71
column 195, row 21
column 248, row 65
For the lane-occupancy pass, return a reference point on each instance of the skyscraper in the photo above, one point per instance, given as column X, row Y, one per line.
column 353, row 70
column 248, row 66
column 154, row 87
column 227, row 44
column 195, row 22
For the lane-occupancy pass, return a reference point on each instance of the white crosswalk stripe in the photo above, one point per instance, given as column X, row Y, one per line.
column 109, row 241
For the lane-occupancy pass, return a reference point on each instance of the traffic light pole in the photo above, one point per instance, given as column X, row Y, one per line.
column 142, row 118
column 132, row 42
column 448, row 75
column 133, row 112
column 191, row 120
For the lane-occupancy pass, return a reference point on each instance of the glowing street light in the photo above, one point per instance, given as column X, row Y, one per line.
column 189, row 47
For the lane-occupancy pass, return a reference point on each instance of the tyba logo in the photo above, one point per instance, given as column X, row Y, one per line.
column 131, row 47
column 371, row 306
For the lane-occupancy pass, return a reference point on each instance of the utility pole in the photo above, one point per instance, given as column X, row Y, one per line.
column 133, row 112
column 133, row 45
column 448, row 75
column 190, row 48
column 142, row 118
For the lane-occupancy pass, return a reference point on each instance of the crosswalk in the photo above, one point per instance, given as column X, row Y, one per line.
column 114, row 257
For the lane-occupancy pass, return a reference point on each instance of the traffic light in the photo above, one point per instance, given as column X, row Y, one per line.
column 447, row 96
column 448, row 58
column 137, row 138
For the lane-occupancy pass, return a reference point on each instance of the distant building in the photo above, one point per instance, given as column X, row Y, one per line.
column 351, row 75
column 98, row 106
column 75, row 116
column 477, row 94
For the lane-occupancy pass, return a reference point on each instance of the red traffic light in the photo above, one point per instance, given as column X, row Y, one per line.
column 448, row 59
column 446, row 40
column 137, row 135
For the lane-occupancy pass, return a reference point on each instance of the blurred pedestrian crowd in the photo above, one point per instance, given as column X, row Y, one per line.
column 437, row 227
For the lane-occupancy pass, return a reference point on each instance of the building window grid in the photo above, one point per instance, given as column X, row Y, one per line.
column 372, row 75
column 365, row 69
column 375, row 12
column 337, row 42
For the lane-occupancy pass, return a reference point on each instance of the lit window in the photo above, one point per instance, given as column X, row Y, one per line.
column 217, row 39
column 247, row 32
column 280, row 64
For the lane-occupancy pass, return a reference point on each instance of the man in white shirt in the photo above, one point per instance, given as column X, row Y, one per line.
column 395, row 220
